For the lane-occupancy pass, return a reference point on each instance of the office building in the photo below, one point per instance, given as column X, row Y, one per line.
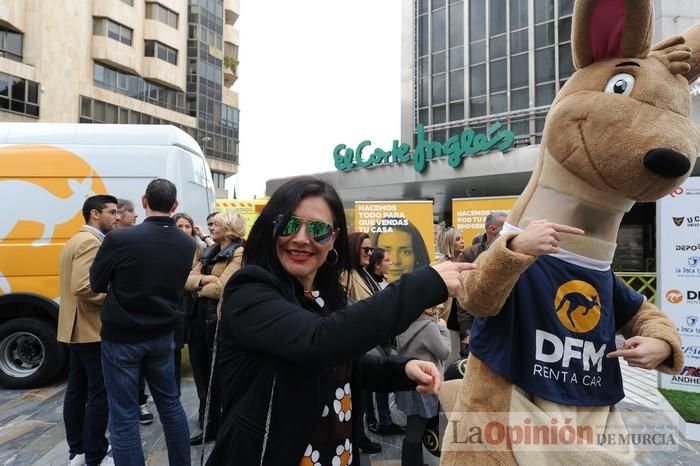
column 126, row 61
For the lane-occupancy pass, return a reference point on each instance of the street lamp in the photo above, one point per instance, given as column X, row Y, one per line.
column 204, row 142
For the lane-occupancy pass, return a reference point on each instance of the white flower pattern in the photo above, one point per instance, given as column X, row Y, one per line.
column 343, row 454
column 343, row 403
column 311, row 457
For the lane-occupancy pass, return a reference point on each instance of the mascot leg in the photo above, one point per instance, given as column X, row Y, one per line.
column 577, row 430
column 480, row 396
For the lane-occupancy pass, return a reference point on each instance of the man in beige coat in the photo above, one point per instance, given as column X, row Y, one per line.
column 85, row 410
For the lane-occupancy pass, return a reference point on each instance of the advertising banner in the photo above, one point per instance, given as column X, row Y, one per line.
column 403, row 228
column 469, row 214
column 678, row 276
column 249, row 209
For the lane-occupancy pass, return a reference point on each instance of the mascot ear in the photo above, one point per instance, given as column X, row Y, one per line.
column 604, row 29
column 692, row 40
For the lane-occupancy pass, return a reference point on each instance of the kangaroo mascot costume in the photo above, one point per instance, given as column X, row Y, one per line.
column 543, row 372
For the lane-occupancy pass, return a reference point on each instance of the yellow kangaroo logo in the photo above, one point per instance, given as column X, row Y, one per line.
column 577, row 305
column 46, row 187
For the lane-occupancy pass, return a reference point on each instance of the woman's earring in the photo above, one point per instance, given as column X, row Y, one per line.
column 336, row 257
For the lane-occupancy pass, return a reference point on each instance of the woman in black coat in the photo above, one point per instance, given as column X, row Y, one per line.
column 291, row 350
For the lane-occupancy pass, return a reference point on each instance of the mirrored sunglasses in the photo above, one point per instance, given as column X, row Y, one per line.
column 318, row 230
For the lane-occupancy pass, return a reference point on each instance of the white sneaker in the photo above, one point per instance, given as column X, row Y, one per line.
column 107, row 461
column 77, row 460
column 145, row 415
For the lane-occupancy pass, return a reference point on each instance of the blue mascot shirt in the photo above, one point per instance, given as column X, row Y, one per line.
column 553, row 333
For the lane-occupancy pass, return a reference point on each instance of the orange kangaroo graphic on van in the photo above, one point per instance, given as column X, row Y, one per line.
column 50, row 210
column 47, row 187
column 575, row 300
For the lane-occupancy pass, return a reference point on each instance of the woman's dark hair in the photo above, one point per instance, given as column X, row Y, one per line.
column 419, row 250
column 355, row 240
column 261, row 248
column 189, row 220
column 375, row 259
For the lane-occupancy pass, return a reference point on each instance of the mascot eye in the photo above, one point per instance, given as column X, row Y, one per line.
column 622, row 84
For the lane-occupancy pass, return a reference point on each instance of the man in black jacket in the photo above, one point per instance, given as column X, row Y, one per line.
column 143, row 270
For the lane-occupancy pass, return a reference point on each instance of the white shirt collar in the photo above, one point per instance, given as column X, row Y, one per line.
column 568, row 256
column 96, row 231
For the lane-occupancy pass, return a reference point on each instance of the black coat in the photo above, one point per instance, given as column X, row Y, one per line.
column 143, row 270
column 269, row 338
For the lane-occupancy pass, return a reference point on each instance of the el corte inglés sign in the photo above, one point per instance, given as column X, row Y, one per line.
column 455, row 148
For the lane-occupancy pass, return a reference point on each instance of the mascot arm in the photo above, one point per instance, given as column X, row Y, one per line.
column 650, row 321
column 485, row 289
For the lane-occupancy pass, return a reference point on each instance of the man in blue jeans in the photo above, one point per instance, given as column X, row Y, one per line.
column 143, row 270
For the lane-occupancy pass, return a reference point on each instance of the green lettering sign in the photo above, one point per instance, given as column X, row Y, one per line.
column 455, row 148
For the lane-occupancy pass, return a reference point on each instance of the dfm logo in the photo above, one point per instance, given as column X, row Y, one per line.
column 577, row 305
column 674, row 296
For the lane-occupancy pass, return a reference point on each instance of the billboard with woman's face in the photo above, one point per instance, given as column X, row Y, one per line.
column 403, row 228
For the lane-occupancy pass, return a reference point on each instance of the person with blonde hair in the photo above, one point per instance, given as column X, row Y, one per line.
column 216, row 266
column 450, row 245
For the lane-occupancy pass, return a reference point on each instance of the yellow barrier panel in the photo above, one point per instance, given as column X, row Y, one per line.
column 641, row 282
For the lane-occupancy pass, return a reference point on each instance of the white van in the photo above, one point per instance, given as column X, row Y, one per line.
column 47, row 171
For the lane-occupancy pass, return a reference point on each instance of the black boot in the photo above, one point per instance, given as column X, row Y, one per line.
column 411, row 453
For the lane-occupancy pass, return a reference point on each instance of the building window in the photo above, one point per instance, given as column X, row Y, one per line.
column 219, row 180
column 113, row 30
column 229, row 116
column 159, row 12
column 136, row 87
column 97, row 111
column 161, row 51
column 11, row 44
column 18, row 95
column 128, row 2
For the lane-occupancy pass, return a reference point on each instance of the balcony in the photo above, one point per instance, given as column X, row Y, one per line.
column 232, row 10
column 162, row 72
column 229, row 97
column 12, row 15
column 116, row 54
column 230, row 70
column 116, row 11
column 231, row 35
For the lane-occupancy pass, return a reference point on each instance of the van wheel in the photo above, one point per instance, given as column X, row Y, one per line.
column 29, row 353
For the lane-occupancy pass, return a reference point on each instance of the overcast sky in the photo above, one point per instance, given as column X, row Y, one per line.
column 314, row 74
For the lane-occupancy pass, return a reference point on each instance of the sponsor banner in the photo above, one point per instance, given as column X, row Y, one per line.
column 678, row 274
column 248, row 209
column 403, row 228
column 469, row 214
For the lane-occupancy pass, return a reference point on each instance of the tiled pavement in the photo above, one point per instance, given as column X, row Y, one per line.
column 31, row 427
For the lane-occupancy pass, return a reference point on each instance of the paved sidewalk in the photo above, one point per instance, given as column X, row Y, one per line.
column 31, row 426
column 644, row 405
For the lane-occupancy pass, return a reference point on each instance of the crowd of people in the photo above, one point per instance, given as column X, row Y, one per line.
column 295, row 339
